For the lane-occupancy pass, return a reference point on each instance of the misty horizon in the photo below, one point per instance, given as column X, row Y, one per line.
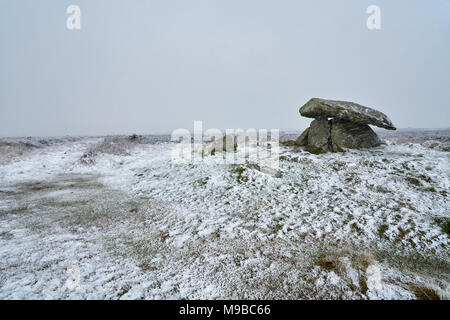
column 150, row 68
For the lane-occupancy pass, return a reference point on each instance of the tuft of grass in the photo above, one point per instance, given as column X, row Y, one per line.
column 288, row 158
column 120, row 146
column 405, row 166
column 203, row 181
column 413, row 181
column 124, row 290
column 429, row 189
column 424, row 293
column 355, row 227
column 331, row 262
column 338, row 165
column 6, row 235
column 425, row 178
column 382, row 230
column 239, row 171
column 401, row 234
column 313, row 149
column 363, row 285
column 18, row 210
column 277, row 228
column 326, row 264
column 146, row 267
column 444, row 224
column 381, row 189
column 416, row 262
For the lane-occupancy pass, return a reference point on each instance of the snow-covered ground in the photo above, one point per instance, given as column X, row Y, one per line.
column 127, row 223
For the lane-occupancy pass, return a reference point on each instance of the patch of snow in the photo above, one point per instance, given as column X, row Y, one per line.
column 138, row 226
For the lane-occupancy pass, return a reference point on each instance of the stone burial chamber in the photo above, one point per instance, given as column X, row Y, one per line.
column 341, row 124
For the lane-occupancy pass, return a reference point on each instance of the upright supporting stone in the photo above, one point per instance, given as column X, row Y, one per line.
column 319, row 134
column 302, row 140
column 346, row 134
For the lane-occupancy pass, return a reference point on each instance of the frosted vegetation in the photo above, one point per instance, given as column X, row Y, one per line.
column 368, row 224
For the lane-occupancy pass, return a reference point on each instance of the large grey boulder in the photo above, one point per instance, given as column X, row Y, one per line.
column 345, row 110
column 346, row 134
column 348, row 127
column 337, row 134
column 319, row 134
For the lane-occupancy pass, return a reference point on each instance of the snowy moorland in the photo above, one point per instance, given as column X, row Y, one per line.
column 114, row 218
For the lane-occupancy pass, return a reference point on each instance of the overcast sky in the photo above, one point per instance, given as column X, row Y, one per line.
column 154, row 66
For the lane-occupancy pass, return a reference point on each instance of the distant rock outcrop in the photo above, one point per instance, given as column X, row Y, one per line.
column 347, row 128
